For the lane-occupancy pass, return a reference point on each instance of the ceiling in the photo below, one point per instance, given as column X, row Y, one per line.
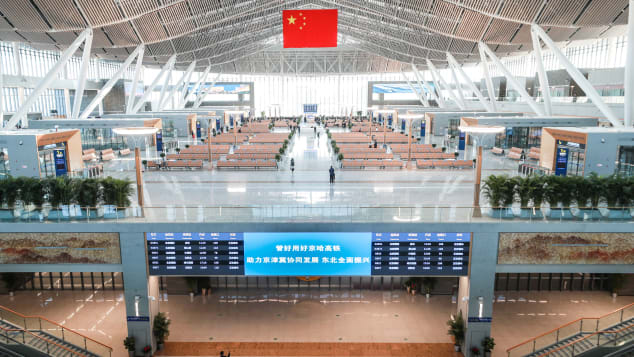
column 235, row 36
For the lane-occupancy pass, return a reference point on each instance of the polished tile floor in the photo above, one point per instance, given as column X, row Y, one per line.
column 256, row 315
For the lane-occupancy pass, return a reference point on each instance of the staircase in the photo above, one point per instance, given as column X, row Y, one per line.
column 45, row 337
column 581, row 337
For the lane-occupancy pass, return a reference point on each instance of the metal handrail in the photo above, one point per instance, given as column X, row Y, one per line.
column 585, row 338
column 56, row 324
column 6, row 335
column 509, row 350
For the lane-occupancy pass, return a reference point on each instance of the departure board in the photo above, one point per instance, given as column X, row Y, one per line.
column 420, row 253
column 195, row 253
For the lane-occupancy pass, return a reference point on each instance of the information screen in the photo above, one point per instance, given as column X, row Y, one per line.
column 420, row 253
column 195, row 253
column 308, row 253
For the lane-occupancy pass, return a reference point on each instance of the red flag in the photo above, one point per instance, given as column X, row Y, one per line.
column 310, row 28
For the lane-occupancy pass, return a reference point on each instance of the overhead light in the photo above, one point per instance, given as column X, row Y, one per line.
column 481, row 129
column 236, row 189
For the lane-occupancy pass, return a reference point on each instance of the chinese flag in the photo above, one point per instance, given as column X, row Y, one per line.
column 310, row 28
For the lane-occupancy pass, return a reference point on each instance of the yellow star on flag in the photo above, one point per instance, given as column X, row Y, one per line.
column 291, row 20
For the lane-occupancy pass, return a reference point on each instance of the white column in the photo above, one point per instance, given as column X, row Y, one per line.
column 180, row 82
column 50, row 76
column 457, row 84
column 438, row 80
column 196, row 88
column 578, row 77
column 421, row 82
column 486, row 51
column 67, row 106
column 541, row 73
column 138, row 54
column 148, row 93
column 454, row 64
column 202, row 94
column 421, row 97
column 629, row 69
column 137, row 75
column 1, row 97
column 487, row 78
column 166, row 82
column 18, row 68
column 83, row 73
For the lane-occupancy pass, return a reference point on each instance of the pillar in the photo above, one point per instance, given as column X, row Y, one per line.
column 139, row 176
column 141, row 294
column 476, row 292
column 629, row 69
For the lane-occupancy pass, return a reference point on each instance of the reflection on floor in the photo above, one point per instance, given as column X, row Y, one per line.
column 99, row 315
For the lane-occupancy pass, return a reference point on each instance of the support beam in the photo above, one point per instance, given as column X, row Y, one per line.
column 438, row 80
column 137, row 75
column 180, row 82
column 1, row 98
column 454, row 64
column 46, row 81
column 541, row 73
column 486, row 51
column 421, row 82
column 183, row 93
column 421, row 96
column 83, row 73
column 148, row 92
column 166, row 83
column 457, row 84
column 196, row 87
column 138, row 54
column 487, row 79
column 202, row 94
column 576, row 75
column 629, row 69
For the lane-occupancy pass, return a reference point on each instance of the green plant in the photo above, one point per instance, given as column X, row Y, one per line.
column 457, row 328
column 278, row 157
column 11, row 281
column 558, row 191
column 336, row 149
column 192, row 283
column 615, row 191
column 32, row 191
column 117, row 192
column 538, row 190
column 488, row 344
column 129, row 343
column 160, row 328
column 144, row 162
column 523, row 188
column 178, row 150
column 88, row 192
column 282, row 151
column 340, row 157
column 615, row 282
column 429, row 283
column 61, row 191
column 493, row 190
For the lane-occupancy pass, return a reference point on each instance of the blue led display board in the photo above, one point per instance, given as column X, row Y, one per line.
column 308, row 253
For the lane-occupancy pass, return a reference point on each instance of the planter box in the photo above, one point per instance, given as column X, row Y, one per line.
column 7, row 215
column 618, row 214
column 502, row 213
column 110, row 212
column 588, row 214
column 34, row 215
column 57, row 215
column 560, row 213
column 531, row 213
column 87, row 215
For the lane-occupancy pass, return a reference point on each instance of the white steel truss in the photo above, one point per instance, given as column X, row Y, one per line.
column 178, row 85
column 83, row 73
column 202, row 77
column 421, row 82
column 454, row 65
column 438, row 79
column 421, row 94
column 203, row 93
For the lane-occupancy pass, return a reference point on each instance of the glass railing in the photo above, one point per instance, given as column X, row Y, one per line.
column 317, row 213
column 583, row 325
column 580, row 346
column 30, row 324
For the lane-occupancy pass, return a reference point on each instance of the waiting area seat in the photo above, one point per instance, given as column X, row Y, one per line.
column 429, row 156
column 255, row 156
column 107, row 155
column 192, row 156
column 444, row 164
column 124, row 152
column 497, row 151
column 247, row 164
column 87, row 155
column 203, row 149
column 534, row 153
column 515, row 153
column 258, row 149
column 368, row 156
column 379, row 164
column 176, row 164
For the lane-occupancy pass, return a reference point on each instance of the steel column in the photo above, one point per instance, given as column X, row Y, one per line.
column 138, row 53
column 148, row 92
column 180, row 82
column 578, row 77
column 421, row 82
column 421, row 98
column 487, row 78
column 458, row 85
column 629, row 70
column 439, row 79
column 541, row 72
column 202, row 94
column 196, row 87
column 46, row 81
column 140, row 50
column 83, row 73
column 452, row 63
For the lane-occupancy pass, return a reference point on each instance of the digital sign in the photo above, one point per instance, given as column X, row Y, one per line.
column 308, row 253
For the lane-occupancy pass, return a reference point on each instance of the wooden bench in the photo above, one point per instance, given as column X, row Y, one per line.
column 89, row 155
column 107, row 155
column 248, row 164
column 497, row 151
column 380, row 164
column 191, row 156
column 124, row 152
column 185, row 164
column 257, row 156
column 455, row 164
column 515, row 153
column 534, row 153
column 368, row 156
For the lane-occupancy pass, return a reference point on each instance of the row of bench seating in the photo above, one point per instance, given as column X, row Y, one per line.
column 258, row 149
column 515, row 153
column 177, row 164
column 368, row 155
column 182, row 156
column 257, row 156
column 429, row 155
column 362, row 164
column 428, row 164
column 107, row 155
column 248, row 164
column 400, row 150
column 534, row 153
column 203, row 149
column 497, row 151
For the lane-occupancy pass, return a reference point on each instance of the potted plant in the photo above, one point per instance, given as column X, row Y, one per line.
column 278, row 157
column 336, row 149
column 116, row 197
column 586, row 193
column 31, row 193
column 487, row 345
column 498, row 190
column 428, row 285
column 160, row 329
column 88, row 194
column 615, row 282
column 559, row 196
column 130, row 345
column 11, row 282
column 192, row 284
column 6, row 211
column 475, row 351
column 340, row 157
column 60, row 192
column 147, row 350
column 457, row 330
column 178, row 151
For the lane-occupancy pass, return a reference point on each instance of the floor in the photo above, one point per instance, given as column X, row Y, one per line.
column 315, row 316
column 449, row 193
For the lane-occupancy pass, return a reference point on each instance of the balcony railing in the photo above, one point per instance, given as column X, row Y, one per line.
column 317, row 213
